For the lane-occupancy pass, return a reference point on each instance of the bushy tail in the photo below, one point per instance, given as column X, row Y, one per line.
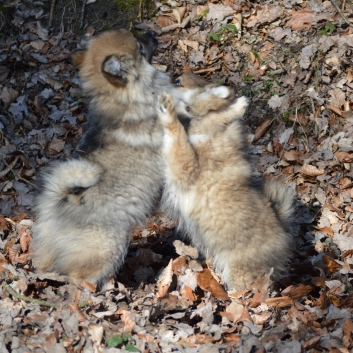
column 282, row 198
column 60, row 180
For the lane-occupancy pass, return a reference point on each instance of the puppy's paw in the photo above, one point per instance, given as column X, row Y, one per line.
column 239, row 106
column 166, row 108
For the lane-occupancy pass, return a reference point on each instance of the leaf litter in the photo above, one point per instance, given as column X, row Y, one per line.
column 293, row 59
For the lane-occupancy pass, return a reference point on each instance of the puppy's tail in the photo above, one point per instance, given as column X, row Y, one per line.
column 66, row 181
column 282, row 198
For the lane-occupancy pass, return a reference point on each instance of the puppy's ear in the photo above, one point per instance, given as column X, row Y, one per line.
column 220, row 91
column 148, row 44
column 78, row 56
column 112, row 71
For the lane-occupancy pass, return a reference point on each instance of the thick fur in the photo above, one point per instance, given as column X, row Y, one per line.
column 207, row 185
column 89, row 204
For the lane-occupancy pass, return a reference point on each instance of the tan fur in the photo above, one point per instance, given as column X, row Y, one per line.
column 207, row 186
column 88, row 205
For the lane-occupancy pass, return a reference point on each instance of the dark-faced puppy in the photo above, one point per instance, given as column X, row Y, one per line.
column 88, row 205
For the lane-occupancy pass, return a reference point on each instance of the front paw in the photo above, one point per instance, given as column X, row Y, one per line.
column 166, row 109
column 239, row 106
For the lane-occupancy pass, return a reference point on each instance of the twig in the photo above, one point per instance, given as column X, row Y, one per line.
column 9, row 167
column 83, row 13
column 345, row 19
column 202, row 71
column 51, row 14
column 27, row 181
column 26, row 299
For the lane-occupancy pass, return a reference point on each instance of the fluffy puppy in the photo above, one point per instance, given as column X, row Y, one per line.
column 88, row 205
column 207, row 186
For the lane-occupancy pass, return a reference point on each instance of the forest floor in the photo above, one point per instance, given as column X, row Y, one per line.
column 293, row 59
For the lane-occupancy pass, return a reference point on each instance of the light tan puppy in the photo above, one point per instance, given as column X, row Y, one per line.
column 207, row 186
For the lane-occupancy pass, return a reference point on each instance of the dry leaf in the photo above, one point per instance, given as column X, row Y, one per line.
column 318, row 281
column 185, row 250
column 262, row 128
column 232, row 337
column 207, row 282
column 297, row 292
column 179, row 265
column 344, row 157
column 310, row 170
column 96, row 332
column 179, row 13
column 260, row 319
column 56, row 146
column 279, row 302
column 81, row 316
column 90, row 286
column 165, row 21
column 331, row 264
column 235, row 309
column 25, row 240
column 335, row 109
column 245, row 316
column 3, row 223
column 188, row 293
column 8, row 96
column 301, row 19
column 126, row 319
column 166, row 279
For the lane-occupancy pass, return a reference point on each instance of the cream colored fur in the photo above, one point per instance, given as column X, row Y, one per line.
column 207, row 185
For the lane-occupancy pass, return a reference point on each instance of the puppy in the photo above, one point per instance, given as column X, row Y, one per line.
column 207, row 186
column 88, row 205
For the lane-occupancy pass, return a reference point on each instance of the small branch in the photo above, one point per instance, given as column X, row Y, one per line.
column 83, row 13
column 345, row 19
column 202, row 71
column 26, row 299
column 51, row 13
column 9, row 167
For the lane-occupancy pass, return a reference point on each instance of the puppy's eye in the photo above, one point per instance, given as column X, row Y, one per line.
column 177, row 83
column 188, row 109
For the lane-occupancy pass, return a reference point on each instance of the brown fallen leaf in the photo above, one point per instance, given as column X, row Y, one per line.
column 347, row 329
column 301, row 19
column 318, row 281
column 81, row 316
column 310, row 170
column 8, row 96
column 3, row 223
column 25, row 240
column 232, row 337
column 188, row 293
column 345, row 183
column 262, row 128
column 290, row 156
column 311, row 342
column 256, row 300
column 279, row 302
column 260, row 319
column 90, row 286
column 331, row 264
column 179, row 13
column 179, row 265
column 335, row 109
column 206, row 282
column 56, row 146
column 165, row 21
column 296, row 292
column 126, row 319
column 245, row 316
column 344, row 157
